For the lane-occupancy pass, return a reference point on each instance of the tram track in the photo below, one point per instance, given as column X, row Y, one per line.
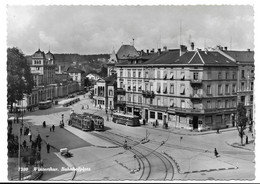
column 155, row 166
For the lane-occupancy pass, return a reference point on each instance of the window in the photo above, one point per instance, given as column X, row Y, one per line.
column 139, row 73
column 121, row 84
column 139, row 99
column 219, row 89
column 209, row 75
column 251, row 99
column 172, row 88
column 128, row 85
column 134, row 73
column 165, row 102
column 227, row 89
column 182, row 103
column 196, row 76
column 134, row 85
column 252, row 86
column 146, row 74
column 218, row 105
column 152, row 114
column 182, row 76
column 151, row 86
column 182, row 89
column 134, row 98
column 158, row 101
column 219, row 75
column 208, row 89
column 158, row 74
column 243, row 99
column 234, row 103
column 128, row 73
column 234, row 75
column 226, row 103
column 95, row 90
column 110, row 92
column 171, row 103
column 76, row 78
column 165, row 75
column 158, row 87
column 242, row 86
column 165, row 88
column 227, row 75
column 139, row 85
column 159, row 115
column 121, row 73
column 129, row 97
column 234, row 88
column 242, row 74
column 171, row 75
column 146, row 86
column 208, row 105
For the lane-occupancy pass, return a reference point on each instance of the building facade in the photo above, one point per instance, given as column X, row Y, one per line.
column 185, row 89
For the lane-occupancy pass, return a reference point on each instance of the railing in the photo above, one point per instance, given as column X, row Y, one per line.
column 188, row 110
column 158, row 107
column 196, row 96
column 148, row 94
column 120, row 91
column 196, row 81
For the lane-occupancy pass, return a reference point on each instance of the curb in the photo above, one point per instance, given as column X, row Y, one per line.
column 190, row 134
column 106, row 146
column 197, row 171
column 240, row 147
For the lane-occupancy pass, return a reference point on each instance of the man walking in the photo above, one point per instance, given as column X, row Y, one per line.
column 53, row 127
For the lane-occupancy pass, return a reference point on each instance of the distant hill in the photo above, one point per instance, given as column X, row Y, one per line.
column 87, row 63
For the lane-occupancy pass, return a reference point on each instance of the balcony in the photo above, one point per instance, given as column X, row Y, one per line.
column 148, row 94
column 120, row 91
column 196, row 81
column 158, row 107
column 196, row 96
column 188, row 110
column 121, row 103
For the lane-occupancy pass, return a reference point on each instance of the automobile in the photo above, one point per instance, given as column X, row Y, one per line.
column 71, row 96
column 80, row 93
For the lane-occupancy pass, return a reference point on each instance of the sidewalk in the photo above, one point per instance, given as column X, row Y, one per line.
column 180, row 131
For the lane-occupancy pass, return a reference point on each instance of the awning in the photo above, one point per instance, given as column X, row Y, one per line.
column 165, row 88
column 171, row 75
column 183, row 75
column 158, row 88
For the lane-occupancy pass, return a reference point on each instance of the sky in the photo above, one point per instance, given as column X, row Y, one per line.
column 100, row 29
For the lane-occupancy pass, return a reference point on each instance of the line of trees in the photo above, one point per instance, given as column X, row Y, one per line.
column 19, row 77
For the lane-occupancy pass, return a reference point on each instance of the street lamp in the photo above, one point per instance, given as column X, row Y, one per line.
column 19, row 146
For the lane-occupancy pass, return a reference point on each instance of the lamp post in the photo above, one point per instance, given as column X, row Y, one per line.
column 19, row 147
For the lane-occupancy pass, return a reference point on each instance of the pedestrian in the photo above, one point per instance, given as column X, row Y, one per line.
column 143, row 121
column 216, row 152
column 24, row 143
column 82, row 107
column 44, row 124
column 181, row 138
column 50, row 129
column 30, row 135
column 246, row 139
column 21, row 131
column 53, row 127
column 106, row 111
column 48, row 148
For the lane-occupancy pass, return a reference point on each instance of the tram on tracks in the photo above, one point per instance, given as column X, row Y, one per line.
column 98, row 121
column 126, row 119
column 45, row 104
column 87, row 121
column 82, row 122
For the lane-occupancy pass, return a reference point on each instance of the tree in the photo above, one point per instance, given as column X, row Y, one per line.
column 241, row 120
column 19, row 78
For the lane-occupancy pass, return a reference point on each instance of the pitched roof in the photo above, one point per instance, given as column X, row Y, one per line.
column 164, row 58
column 74, row 70
column 126, row 51
column 241, row 56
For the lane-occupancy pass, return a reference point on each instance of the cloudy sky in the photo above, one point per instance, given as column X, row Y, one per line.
column 99, row 29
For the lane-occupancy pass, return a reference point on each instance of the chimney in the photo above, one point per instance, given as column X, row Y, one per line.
column 225, row 48
column 142, row 52
column 248, row 50
column 192, row 45
column 147, row 51
column 152, row 51
column 183, row 50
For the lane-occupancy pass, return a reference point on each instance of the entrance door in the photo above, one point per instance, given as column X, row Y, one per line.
column 146, row 114
column 195, row 122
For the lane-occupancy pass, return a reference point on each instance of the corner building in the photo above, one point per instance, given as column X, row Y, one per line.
column 185, row 89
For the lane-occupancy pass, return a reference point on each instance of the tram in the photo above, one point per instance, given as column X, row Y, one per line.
column 82, row 122
column 98, row 121
column 45, row 104
column 126, row 119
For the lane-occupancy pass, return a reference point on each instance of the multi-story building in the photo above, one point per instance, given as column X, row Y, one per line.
column 77, row 75
column 105, row 92
column 186, row 89
column 246, row 76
